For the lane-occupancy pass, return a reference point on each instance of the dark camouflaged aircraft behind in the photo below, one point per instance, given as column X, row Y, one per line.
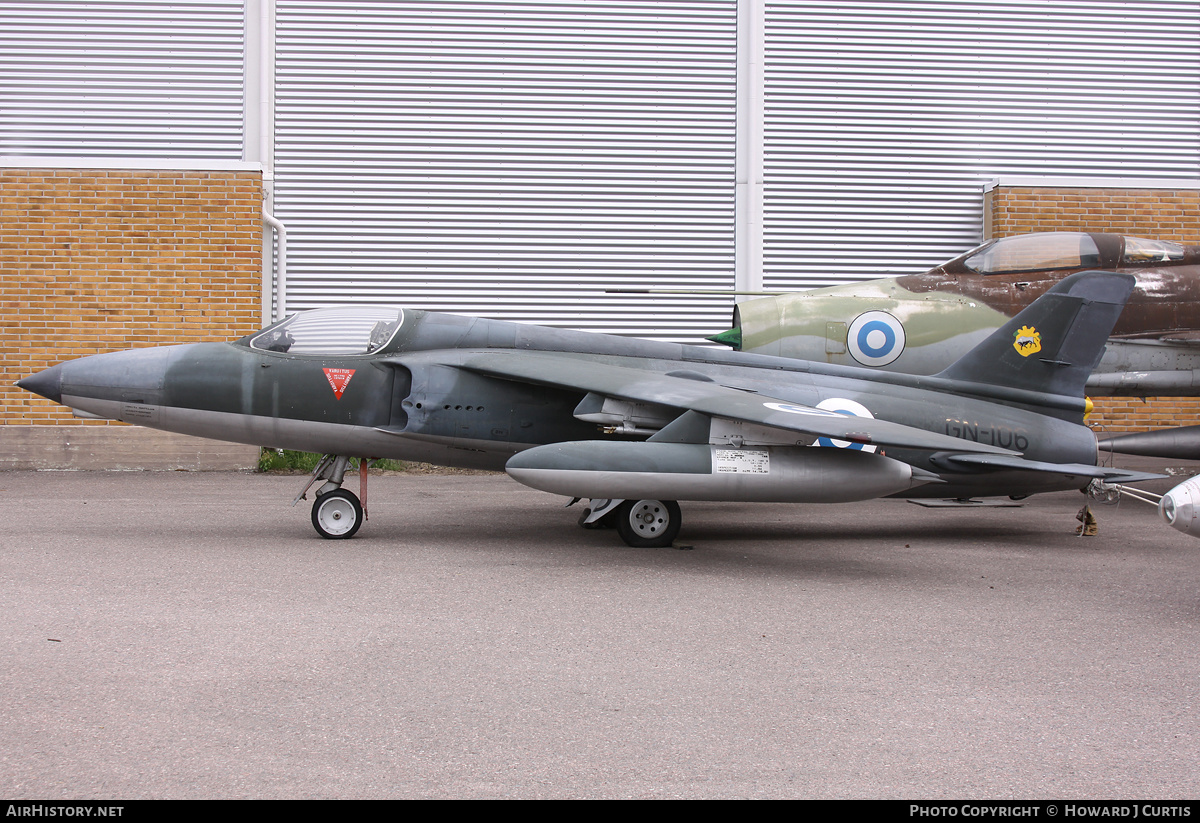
column 920, row 323
column 632, row 425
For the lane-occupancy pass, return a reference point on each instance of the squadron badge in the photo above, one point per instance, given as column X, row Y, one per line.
column 1028, row 341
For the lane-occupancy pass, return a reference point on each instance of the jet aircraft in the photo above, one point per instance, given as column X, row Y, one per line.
column 920, row 323
column 632, row 425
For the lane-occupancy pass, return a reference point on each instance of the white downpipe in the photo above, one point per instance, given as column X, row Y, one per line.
column 281, row 267
column 748, row 198
column 259, row 146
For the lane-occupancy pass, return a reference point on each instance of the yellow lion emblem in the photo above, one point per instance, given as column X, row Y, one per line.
column 1028, row 341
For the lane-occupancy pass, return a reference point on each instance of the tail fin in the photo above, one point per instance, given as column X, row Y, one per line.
column 1052, row 346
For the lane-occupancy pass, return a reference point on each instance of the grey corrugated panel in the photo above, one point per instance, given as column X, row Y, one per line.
column 511, row 159
column 885, row 119
column 111, row 79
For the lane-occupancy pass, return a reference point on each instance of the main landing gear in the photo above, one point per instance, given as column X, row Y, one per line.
column 648, row 524
column 337, row 513
column 642, row 524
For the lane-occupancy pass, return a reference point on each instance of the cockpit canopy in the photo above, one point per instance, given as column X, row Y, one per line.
column 346, row 330
column 1050, row 251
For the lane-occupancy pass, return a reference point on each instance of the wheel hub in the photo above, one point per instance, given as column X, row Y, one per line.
column 335, row 515
column 647, row 519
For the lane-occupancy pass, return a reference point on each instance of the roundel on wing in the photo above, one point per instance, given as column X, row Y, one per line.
column 875, row 338
column 851, row 408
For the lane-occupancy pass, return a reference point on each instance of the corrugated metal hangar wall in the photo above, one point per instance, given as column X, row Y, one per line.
column 510, row 159
column 529, row 160
column 884, row 119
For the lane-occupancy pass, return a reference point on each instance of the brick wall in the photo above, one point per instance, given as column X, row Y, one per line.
column 1162, row 214
column 104, row 260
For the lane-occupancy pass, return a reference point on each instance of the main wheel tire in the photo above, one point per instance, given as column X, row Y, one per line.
column 337, row 515
column 648, row 524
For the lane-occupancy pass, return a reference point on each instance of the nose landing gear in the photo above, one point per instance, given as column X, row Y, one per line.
column 337, row 513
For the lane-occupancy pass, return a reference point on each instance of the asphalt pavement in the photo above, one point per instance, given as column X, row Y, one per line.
column 186, row 635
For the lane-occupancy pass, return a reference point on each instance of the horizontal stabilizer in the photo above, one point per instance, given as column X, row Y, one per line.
column 1002, row 462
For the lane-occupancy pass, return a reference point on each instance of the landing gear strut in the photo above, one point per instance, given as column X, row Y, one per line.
column 337, row 513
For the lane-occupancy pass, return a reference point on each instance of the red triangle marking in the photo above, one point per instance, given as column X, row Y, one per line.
column 338, row 380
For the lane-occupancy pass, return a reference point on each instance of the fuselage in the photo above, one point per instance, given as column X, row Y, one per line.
column 403, row 396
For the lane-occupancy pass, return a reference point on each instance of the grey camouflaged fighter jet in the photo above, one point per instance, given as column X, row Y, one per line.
column 633, row 425
column 920, row 323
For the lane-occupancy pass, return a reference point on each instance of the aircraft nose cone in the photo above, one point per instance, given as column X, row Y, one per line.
column 47, row 383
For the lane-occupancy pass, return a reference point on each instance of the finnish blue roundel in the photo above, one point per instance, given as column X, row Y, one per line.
column 841, row 405
column 875, row 338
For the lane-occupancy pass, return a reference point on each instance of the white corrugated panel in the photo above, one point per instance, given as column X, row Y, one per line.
column 884, row 119
column 148, row 79
column 516, row 160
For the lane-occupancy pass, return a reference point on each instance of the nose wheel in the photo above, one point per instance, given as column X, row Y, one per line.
column 648, row 524
column 336, row 515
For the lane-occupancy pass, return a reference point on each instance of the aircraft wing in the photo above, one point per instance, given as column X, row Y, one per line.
column 641, row 385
